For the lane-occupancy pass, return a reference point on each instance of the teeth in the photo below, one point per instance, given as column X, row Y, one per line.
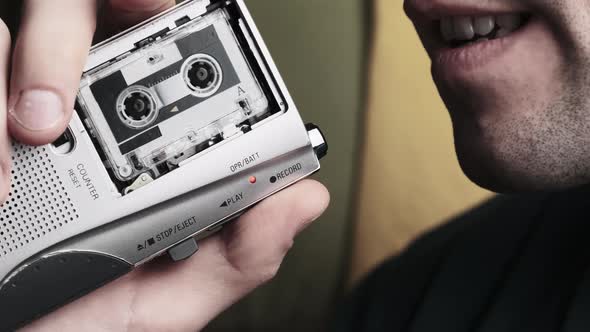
column 447, row 30
column 509, row 22
column 484, row 25
column 463, row 27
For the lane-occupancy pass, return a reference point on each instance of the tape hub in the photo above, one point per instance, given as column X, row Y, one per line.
column 203, row 75
column 136, row 107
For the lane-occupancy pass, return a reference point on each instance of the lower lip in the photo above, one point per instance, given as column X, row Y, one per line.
column 478, row 55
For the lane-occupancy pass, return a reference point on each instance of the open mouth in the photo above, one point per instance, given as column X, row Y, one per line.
column 461, row 31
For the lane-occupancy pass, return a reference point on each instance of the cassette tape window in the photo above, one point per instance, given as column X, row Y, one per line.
column 177, row 95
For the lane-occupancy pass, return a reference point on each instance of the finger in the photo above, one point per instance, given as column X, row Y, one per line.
column 227, row 267
column 256, row 244
column 4, row 139
column 49, row 57
column 118, row 15
column 186, row 296
column 134, row 11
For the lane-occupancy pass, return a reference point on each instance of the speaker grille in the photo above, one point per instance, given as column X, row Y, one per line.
column 37, row 205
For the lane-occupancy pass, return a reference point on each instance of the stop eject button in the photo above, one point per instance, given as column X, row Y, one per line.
column 183, row 250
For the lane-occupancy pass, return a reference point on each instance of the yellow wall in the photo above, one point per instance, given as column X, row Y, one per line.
column 411, row 179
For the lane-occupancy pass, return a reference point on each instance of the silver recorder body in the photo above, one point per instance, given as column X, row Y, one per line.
column 183, row 122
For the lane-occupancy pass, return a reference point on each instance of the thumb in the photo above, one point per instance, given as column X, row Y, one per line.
column 45, row 73
column 185, row 296
column 247, row 254
column 256, row 245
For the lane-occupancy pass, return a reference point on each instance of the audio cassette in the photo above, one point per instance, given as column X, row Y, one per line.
column 152, row 109
column 174, row 119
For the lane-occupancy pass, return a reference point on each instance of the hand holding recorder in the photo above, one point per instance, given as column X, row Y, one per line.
column 39, row 106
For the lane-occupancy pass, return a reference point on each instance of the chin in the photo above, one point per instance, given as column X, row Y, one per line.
column 494, row 176
column 493, row 166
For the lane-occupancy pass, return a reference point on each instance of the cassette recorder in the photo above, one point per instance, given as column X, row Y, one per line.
column 182, row 123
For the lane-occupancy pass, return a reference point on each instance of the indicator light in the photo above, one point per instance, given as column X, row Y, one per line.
column 252, row 179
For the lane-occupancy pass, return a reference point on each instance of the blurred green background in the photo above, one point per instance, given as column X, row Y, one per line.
column 319, row 49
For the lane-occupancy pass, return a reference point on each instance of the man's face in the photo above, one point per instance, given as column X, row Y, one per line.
column 515, row 76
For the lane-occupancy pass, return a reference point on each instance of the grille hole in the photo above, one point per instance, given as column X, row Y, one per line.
column 38, row 204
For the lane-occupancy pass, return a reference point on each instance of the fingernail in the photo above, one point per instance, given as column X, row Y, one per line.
column 38, row 110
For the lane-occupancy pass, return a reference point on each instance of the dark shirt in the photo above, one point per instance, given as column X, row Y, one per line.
column 516, row 263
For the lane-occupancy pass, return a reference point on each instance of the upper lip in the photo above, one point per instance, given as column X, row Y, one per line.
column 437, row 9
